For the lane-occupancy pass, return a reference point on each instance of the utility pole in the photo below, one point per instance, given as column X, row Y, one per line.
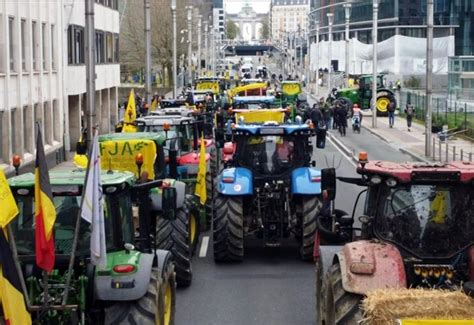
column 330, row 22
column 90, row 68
column 429, row 76
column 147, row 51
column 199, row 45
column 206, row 43
column 190, row 44
column 175, row 50
column 317, row 57
column 375, row 8
column 348, row 9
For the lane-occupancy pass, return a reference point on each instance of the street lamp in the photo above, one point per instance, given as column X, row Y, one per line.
column 147, row 51
column 190, row 44
column 375, row 8
column 175, row 50
column 330, row 22
column 347, row 9
column 199, row 45
column 206, row 28
column 317, row 57
column 429, row 77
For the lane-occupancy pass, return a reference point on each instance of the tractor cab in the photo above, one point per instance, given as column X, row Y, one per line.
column 93, row 293
column 254, row 102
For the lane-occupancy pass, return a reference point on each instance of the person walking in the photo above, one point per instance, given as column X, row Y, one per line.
column 340, row 116
column 409, row 111
column 391, row 114
column 317, row 118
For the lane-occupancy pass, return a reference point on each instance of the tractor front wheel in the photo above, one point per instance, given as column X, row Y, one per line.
column 340, row 307
column 228, row 234
column 173, row 235
column 149, row 309
column 309, row 209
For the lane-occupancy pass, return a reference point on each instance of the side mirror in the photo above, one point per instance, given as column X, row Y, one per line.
column 173, row 163
column 168, row 203
column 81, row 148
column 328, row 182
column 195, row 137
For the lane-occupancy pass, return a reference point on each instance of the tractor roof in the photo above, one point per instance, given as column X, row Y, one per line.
column 162, row 119
column 422, row 172
column 153, row 136
column 72, row 177
column 253, row 99
column 272, row 128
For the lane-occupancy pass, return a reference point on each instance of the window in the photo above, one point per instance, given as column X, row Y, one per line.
column 57, row 122
column 110, row 47
column 53, row 47
column 44, row 45
column 99, row 47
column 28, row 129
column 15, row 121
column 11, row 46
column 23, row 41
column 47, row 120
column 39, row 118
column 75, row 44
column 34, row 45
column 116, row 48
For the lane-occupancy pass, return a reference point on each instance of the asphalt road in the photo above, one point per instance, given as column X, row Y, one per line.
column 271, row 286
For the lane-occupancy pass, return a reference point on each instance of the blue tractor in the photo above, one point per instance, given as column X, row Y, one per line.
column 268, row 188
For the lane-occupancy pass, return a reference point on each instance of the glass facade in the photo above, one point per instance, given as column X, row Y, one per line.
column 406, row 16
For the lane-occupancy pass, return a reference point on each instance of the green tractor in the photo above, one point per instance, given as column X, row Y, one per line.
column 363, row 94
column 143, row 153
column 137, row 286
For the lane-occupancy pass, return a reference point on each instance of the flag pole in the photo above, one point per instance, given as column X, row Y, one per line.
column 78, row 225
column 11, row 240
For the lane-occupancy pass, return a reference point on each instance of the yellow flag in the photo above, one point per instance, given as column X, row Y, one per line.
column 7, row 202
column 201, row 177
column 131, row 111
column 154, row 105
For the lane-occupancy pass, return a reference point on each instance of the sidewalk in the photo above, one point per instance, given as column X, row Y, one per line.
column 413, row 143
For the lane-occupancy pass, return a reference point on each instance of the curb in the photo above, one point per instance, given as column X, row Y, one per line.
column 415, row 156
column 376, row 134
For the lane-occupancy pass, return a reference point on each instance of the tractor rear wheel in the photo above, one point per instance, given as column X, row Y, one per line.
column 228, row 222
column 309, row 209
column 340, row 307
column 149, row 309
column 382, row 104
column 173, row 235
column 194, row 221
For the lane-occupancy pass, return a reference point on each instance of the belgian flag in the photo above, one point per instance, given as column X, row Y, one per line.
column 12, row 299
column 45, row 212
column 11, row 296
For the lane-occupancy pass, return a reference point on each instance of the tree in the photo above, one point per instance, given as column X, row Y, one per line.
column 132, row 35
column 265, row 30
column 231, row 29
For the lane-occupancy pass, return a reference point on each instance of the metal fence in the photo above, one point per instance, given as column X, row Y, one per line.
column 453, row 113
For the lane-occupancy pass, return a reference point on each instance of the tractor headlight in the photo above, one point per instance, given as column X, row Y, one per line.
column 376, row 180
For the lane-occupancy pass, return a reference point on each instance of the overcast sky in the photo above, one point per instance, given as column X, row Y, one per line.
column 234, row 6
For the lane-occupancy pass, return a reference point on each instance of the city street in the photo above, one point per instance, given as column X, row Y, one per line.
column 271, row 286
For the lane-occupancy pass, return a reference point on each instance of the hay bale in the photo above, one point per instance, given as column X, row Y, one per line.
column 383, row 307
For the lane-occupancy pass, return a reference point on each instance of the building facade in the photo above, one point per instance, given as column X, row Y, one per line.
column 218, row 19
column 31, row 78
column 288, row 17
column 42, row 74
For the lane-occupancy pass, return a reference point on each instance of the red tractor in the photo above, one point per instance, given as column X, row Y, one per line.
column 416, row 231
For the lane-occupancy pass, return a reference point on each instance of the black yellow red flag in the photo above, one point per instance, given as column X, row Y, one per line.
column 13, row 301
column 45, row 212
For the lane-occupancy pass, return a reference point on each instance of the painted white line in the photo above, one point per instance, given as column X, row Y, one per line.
column 349, row 158
column 204, row 245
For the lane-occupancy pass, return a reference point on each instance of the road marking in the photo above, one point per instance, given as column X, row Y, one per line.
column 349, row 158
column 204, row 245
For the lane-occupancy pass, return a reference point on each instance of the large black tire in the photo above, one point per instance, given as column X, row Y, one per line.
column 193, row 205
column 309, row 210
column 147, row 310
column 173, row 235
column 385, row 99
column 210, row 194
column 340, row 307
column 168, row 288
column 228, row 222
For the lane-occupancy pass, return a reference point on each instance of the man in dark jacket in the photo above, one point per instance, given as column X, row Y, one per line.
column 391, row 114
column 317, row 118
column 340, row 117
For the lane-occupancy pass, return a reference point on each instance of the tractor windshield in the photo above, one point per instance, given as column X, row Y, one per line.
column 118, row 229
column 270, row 155
column 428, row 220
